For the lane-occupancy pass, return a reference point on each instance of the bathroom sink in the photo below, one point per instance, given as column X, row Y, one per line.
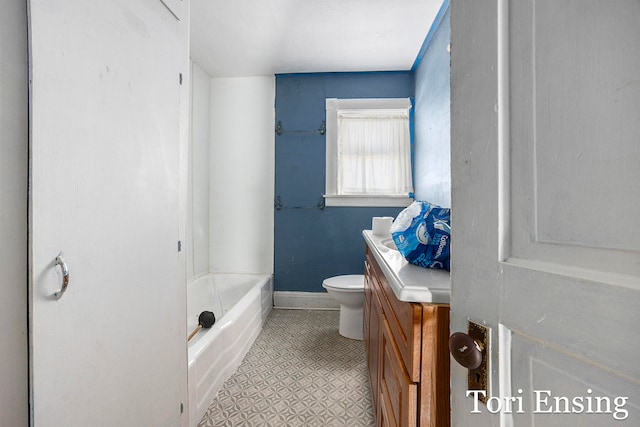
column 409, row 282
column 389, row 243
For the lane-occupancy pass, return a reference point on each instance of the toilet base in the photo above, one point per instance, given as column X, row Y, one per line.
column 351, row 322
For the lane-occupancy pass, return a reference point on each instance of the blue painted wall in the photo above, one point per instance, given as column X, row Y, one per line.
column 312, row 244
column 432, row 160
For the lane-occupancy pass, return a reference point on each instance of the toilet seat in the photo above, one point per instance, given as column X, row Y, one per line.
column 346, row 283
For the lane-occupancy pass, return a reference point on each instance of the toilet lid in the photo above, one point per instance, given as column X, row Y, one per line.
column 349, row 281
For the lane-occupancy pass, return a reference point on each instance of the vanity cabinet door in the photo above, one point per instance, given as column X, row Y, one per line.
column 434, row 377
column 405, row 323
column 374, row 355
column 366, row 310
column 383, row 418
column 398, row 399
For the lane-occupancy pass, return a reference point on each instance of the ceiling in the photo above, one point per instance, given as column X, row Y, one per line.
column 235, row 38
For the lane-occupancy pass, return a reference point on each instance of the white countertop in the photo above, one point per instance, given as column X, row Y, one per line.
column 409, row 282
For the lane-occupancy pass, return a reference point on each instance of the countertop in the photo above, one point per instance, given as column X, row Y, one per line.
column 409, row 282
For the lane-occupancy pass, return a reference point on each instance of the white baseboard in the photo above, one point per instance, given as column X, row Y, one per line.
column 304, row 300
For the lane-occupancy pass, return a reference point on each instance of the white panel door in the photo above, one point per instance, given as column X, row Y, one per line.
column 546, row 208
column 104, row 190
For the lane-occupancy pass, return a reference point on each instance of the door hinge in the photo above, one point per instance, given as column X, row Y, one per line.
column 181, row 407
column 181, row 78
column 179, row 246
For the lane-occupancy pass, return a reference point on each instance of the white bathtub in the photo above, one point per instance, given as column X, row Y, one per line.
column 241, row 303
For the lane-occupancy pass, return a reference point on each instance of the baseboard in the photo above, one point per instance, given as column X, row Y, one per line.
column 304, row 300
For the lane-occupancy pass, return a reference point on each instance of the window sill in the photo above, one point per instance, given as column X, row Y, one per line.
column 370, row 201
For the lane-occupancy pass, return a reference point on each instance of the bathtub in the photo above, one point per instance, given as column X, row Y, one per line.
column 241, row 303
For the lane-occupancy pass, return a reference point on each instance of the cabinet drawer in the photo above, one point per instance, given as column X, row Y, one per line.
column 373, row 269
column 398, row 398
column 367, row 282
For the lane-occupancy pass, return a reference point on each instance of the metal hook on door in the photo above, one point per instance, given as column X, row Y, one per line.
column 65, row 276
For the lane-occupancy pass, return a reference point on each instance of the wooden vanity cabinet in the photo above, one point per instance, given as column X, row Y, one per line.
column 407, row 355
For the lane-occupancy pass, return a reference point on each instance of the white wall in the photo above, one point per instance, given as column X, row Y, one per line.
column 242, row 167
column 198, row 204
column 13, row 215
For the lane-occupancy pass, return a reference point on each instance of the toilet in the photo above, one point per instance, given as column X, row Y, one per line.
column 348, row 290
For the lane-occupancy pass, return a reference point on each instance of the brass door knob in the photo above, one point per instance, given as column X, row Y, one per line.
column 466, row 350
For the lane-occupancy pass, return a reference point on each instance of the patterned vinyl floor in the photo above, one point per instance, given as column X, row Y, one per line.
column 299, row 372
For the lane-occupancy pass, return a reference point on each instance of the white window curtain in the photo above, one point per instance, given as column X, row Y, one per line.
column 374, row 154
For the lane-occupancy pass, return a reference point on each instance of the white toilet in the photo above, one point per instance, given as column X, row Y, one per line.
column 348, row 290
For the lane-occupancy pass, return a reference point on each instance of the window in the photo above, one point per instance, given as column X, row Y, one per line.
column 368, row 152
